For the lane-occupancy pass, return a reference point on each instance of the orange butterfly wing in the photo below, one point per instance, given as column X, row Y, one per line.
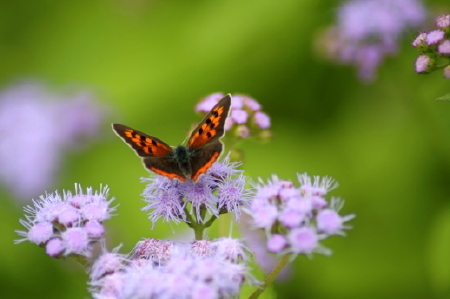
column 212, row 126
column 155, row 153
column 205, row 138
column 205, row 158
column 143, row 144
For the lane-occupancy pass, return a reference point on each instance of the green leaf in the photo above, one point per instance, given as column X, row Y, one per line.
column 444, row 98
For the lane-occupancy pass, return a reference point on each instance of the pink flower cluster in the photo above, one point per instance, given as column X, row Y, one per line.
column 165, row 269
column 296, row 219
column 367, row 31
column 434, row 46
column 67, row 224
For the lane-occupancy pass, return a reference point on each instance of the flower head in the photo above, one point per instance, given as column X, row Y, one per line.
column 233, row 194
column 220, row 190
column 232, row 250
column 203, row 248
column 420, row 40
column 295, row 219
column 200, row 195
column 434, row 37
column 64, row 228
column 276, row 243
column 164, row 198
column 183, row 273
column 444, row 48
column 423, row 64
column 443, row 21
column 153, row 250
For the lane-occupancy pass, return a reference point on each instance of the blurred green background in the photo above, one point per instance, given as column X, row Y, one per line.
column 386, row 143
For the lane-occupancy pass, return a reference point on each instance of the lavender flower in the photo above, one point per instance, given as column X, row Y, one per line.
column 443, row 22
column 207, row 103
column 232, row 194
column 420, row 41
column 55, row 247
column 246, row 118
column 203, row 248
column 276, row 243
column 434, row 37
column 200, row 196
column 63, row 227
column 296, row 219
column 423, row 64
column 262, row 120
column 444, row 48
column 303, row 240
column 220, row 190
column 107, row 263
column 368, row 30
column 164, row 199
column 44, row 125
column 153, row 249
column 239, row 116
column 232, row 250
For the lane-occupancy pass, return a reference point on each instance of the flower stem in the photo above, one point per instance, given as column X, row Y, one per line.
column 190, row 220
column 271, row 277
column 198, row 231
column 210, row 221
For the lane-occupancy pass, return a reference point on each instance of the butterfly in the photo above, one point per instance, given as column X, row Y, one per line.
column 183, row 162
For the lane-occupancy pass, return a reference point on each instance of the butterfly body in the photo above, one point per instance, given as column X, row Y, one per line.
column 183, row 162
column 182, row 156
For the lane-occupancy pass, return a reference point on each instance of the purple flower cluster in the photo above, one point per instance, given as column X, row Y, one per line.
column 37, row 126
column 296, row 219
column 67, row 224
column 220, row 190
column 164, row 269
column 369, row 30
column 434, row 46
column 246, row 117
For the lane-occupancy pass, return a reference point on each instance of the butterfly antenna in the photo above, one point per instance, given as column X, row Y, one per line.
column 185, row 138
